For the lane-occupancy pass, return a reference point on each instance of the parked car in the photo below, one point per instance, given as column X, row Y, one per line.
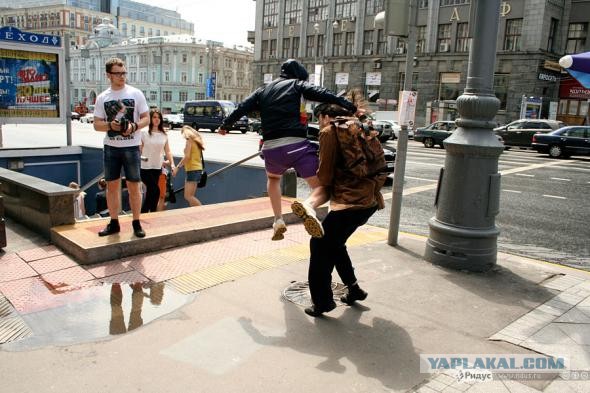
column 563, row 142
column 87, row 118
column 313, row 132
column 385, row 130
column 520, row 132
column 210, row 114
column 435, row 133
column 396, row 127
column 254, row 124
column 75, row 116
column 173, row 121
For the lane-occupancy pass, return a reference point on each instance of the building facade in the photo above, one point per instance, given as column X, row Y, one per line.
column 168, row 69
column 340, row 35
column 79, row 18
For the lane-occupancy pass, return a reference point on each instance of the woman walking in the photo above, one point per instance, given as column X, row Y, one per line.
column 193, row 163
column 154, row 145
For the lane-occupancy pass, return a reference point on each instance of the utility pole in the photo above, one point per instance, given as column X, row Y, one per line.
column 402, row 143
column 463, row 234
column 66, row 96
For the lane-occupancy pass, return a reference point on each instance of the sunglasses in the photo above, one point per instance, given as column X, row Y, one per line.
column 119, row 74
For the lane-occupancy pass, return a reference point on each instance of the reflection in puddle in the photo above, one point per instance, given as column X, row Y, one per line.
column 100, row 313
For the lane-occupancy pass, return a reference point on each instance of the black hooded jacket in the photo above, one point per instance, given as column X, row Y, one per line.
column 279, row 103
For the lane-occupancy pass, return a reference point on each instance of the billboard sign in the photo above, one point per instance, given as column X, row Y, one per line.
column 32, row 79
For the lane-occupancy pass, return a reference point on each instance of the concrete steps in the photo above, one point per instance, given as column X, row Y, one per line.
column 167, row 229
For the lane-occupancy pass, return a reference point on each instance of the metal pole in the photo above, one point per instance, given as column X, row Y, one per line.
column 463, row 234
column 160, row 84
column 402, row 143
column 67, row 92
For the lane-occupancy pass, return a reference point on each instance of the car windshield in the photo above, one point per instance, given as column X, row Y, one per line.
column 228, row 108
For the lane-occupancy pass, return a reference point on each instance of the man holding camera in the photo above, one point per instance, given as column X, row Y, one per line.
column 121, row 111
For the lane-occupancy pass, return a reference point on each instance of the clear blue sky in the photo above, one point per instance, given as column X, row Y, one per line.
column 219, row 20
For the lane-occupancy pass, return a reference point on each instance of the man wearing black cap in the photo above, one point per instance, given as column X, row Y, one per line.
column 281, row 104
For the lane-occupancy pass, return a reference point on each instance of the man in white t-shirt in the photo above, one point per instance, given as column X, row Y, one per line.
column 121, row 111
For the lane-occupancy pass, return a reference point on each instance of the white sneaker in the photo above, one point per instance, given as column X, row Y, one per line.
column 279, row 227
column 312, row 225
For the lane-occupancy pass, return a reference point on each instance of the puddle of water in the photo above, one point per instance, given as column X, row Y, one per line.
column 103, row 312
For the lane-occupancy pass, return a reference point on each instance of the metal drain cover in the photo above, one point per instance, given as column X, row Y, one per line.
column 298, row 293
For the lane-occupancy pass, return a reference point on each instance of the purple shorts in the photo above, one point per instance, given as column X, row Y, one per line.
column 301, row 156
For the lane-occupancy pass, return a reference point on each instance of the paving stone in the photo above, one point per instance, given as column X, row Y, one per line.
column 575, row 315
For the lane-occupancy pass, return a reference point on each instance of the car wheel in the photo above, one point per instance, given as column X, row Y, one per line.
column 212, row 130
column 428, row 142
column 244, row 131
column 383, row 139
column 555, row 151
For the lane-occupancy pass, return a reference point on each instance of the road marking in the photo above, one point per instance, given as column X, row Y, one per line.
column 529, row 167
column 524, row 174
column 428, row 187
column 554, row 196
column 424, row 163
column 559, row 178
column 514, row 191
column 420, row 178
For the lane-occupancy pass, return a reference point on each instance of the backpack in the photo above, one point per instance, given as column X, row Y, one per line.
column 361, row 150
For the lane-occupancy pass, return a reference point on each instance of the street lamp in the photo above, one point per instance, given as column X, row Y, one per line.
column 463, row 234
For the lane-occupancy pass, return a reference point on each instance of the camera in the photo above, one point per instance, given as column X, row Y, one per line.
column 123, row 124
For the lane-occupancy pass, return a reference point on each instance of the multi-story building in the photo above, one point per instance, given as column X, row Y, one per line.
column 168, row 69
column 340, row 35
column 78, row 18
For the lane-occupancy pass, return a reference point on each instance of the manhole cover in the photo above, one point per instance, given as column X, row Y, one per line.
column 298, row 293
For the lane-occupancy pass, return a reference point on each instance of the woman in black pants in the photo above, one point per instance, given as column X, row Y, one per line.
column 154, row 145
column 353, row 200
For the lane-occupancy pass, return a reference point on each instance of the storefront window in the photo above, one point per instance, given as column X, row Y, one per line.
column 450, row 87
column 573, row 107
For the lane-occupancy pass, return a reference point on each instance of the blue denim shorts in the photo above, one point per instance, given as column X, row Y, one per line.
column 126, row 158
column 193, row 175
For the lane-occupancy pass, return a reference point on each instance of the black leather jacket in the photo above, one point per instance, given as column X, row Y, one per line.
column 280, row 107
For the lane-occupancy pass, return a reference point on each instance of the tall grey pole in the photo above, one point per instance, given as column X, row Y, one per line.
column 67, row 92
column 402, row 143
column 463, row 234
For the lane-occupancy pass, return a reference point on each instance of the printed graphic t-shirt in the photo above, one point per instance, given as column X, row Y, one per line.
column 112, row 104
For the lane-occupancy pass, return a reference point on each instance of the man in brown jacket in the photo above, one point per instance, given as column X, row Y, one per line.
column 353, row 200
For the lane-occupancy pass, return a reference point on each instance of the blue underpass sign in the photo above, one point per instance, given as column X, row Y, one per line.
column 12, row 34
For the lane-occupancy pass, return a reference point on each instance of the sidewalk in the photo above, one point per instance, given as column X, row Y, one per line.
column 227, row 328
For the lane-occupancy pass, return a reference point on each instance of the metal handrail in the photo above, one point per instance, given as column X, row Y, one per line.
column 225, row 168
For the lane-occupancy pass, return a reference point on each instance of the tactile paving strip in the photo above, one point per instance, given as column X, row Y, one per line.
column 215, row 275
column 12, row 326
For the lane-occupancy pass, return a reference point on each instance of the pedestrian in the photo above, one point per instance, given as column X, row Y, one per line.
column 281, row 104
column 193, row 163
column 79, row 207
column 353, row 200
column 120, row 111
column 154, row 146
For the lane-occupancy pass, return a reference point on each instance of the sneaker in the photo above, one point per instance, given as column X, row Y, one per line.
column 279, row 228
column 354, row 293
column 312, row 225
column 137, row 229
column 109, row 230
column 316, row 311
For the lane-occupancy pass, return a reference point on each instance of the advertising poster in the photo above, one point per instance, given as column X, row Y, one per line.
column 407, row 111
column 29, row 84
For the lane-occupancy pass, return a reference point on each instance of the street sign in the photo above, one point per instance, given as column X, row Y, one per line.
column 12, row 34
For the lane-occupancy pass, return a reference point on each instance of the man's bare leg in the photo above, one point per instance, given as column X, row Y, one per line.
column 273, row 187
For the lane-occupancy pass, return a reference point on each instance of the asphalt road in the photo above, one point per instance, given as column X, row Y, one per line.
column 544, row 203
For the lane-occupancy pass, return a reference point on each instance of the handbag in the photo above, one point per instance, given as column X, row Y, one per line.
column 203, row 180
